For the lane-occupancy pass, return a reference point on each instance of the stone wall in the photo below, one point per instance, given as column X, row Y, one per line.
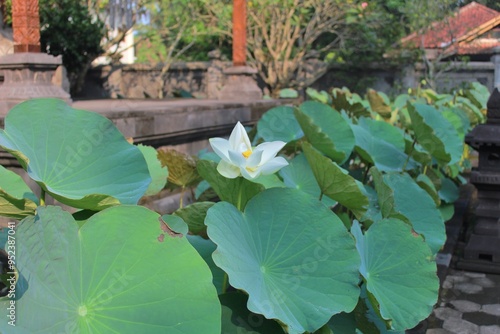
column 394, row 80
column 201, row 79
column 205, row 79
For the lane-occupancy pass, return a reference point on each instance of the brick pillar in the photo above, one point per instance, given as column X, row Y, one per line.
column 240, row 83
column 26, row 25
column 27, row 72
column 239, row 33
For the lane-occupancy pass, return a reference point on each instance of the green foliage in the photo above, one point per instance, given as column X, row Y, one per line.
column 69, row 29
column 123, row 269
column 343, row 239
column 282, row 253
column 85, row 275
column 399, row 273
column 70, row 162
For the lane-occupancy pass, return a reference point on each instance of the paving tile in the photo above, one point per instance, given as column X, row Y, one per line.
column 474, row 275
column 456, row 278
column 485, row 282
column 481, row 318
column 489, row 329
column 445, row 313
column 465, row 306
column 468, row 288
column 459, row 326
column 437, row 331
column 493, row 309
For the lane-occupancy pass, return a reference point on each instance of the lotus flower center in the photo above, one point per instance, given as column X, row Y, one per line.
column 247, row 153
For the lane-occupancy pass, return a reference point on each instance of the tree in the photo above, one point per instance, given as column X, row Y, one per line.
column 119, row 17
column 68, row 29
column 426, row 19
column 170, row 29
column 283, row 34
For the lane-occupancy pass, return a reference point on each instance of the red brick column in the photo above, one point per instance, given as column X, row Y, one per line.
column 239, row 32
column 26, row 26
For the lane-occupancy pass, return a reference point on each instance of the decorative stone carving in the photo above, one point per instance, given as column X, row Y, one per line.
column 27, row 76
column 482, row 251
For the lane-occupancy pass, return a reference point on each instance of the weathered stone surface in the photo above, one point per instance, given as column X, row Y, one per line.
column 489, row 329
column 445, row 313
column 485, row 282
column 456, row 278
column 493, row 309
column 60, row 78
column 465, row 306
column 468, row 288
column 437, row 331
column 474, row 275
column 240, row 85
column 459, row 326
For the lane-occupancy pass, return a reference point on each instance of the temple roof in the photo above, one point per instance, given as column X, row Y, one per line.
column 468, row 31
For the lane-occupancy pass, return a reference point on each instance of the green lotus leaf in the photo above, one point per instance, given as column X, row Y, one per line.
column 269, row 181
column 385, row 195
column 341, row 102
column 181, row 167
column 344, row 323
column 401, row 100
column 456, row 121
column 336, row 183
column 288, row 93
column 78, row 157
column 416, row 151
column 194, row 216
column 478, row 94
column 447, row 211
column 290, row 253
column 426, row 183
column 399, row 271
column 373, row 213
column 16, row 199
column 379, row 103
column 326, row 130
column 236, row 318
column 473, row 112
column 322, row 96
column 236, row 191
column 174, row 226
column 449, row 191
column 382, row 145
column 279, row 123
column 205, row 247
column 158, row 173
column 436, row 134
column 13, row 184
column 119, row 273
column 299, row 175
column 401, row 197
column 368, row 320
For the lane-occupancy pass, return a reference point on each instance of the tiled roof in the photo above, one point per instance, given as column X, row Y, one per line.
column 478, row 46
column 466, row 25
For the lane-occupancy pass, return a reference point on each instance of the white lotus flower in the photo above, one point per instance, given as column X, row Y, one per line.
column 240, row 158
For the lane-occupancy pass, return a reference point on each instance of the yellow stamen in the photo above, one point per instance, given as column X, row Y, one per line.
column 247, row 153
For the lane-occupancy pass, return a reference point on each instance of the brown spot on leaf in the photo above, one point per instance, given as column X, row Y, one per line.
column 415, row 234
column 167, row 229
column 161, row 237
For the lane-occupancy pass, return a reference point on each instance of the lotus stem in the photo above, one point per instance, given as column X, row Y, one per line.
column 42, row 197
